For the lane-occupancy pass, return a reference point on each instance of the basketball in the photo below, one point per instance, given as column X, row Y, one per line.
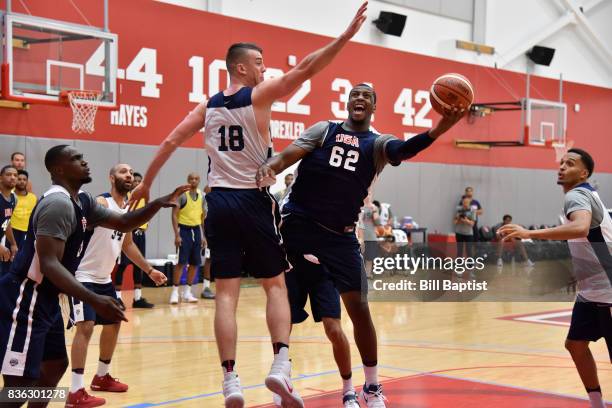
column 450, row 91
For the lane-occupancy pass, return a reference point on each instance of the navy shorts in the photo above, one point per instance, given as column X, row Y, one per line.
column 590, row 322
column 309, row 280
column 339, row 253
column 242, row 233
column 83, row 312
column 190, row 251
column 23, row 347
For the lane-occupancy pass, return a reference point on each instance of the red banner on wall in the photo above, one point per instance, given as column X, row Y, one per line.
column 172, row 57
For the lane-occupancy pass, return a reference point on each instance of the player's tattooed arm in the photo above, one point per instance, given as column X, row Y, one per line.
column 131, row 220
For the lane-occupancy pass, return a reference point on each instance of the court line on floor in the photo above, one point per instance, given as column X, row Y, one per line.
column 410, row 345
column 437, row 373
column 248, row 387
column 417, row 373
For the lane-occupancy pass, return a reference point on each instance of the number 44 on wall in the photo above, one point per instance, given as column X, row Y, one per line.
column 143, row 68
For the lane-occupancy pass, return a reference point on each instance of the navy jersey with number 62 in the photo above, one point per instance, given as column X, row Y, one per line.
column 333, row 180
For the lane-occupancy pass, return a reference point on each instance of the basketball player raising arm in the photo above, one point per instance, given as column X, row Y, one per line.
column 339, row 164
column 263, row 96
column 241, row 225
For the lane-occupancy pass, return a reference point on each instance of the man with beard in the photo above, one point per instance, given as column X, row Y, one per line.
column 32, row 342
column 8, row 201
column 103, row 247
column 339, row 161
column 25, row 204
column 588, row 229
column 241, row 225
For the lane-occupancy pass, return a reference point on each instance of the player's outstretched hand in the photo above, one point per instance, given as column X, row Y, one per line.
column 109, row 308
column 158, row 277
column 449, row 119
column 139, row 193
column 171, row 200
column 358, row 20
column 510, row 231
column 265, row 176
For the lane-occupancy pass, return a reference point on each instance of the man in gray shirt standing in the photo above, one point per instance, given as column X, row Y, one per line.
column 588, row 229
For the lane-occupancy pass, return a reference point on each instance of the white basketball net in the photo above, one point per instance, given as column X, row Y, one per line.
column 84, row 106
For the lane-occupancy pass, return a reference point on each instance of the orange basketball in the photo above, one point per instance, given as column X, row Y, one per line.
column 450, row 91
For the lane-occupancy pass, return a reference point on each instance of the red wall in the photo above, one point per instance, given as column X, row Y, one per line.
column 178, row 33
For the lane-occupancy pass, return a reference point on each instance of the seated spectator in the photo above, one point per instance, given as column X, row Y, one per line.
column 515, row 246
column 384, row 225
column 408, row 224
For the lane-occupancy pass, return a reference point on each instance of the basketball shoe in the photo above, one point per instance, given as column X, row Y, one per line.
column 232, row 391
column 373, row 397
column 81, row 399
column 279, row 382
column 107, row 383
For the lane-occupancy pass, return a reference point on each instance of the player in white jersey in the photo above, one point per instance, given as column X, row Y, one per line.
column 241, row 225
column 103, row 247
column 588, row 230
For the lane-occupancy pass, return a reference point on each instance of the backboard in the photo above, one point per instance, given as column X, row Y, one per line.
column 43, row 58
column 524, row 122
column 544, row 122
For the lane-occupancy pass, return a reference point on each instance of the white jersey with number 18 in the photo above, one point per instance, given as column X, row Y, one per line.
column 234, row 145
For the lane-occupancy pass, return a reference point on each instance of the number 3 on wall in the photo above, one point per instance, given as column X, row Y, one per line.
column 337, row 157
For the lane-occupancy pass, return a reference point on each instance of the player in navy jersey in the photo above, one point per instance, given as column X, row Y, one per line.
column 241, row 225
column 32, row 343
column 339, row 163
column 588, row 229
column 8, row 201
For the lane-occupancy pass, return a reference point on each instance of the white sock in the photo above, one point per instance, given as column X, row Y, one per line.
column 118, row 293
column 186, row 290
column 102, row 369
column 206, row 283
column 175, row 290
column 347, row 385
column 371, row 375
column 77, row 382
column 137, row 294
column 596, row 399
column 283, row 354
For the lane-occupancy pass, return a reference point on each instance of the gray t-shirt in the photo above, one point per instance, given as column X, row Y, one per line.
column 54, row 216
column 463, row 228
column 582, row 199
column 593, row 282
column 314, row 137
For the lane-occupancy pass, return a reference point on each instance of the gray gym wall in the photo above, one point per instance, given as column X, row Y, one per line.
column 429, row 192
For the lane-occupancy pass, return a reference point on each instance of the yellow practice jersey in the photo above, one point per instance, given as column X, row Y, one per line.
column 140, row 204
column 22, row 211
column 191, row 213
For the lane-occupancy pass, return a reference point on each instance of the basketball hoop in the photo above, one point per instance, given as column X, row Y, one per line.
column 561, row 150
column 84, row 106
